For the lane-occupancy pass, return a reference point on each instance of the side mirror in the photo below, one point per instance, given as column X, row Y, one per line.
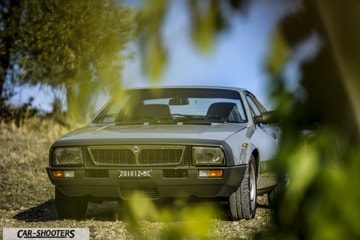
column 267, row 118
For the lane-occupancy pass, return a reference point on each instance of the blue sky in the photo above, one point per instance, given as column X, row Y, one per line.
column 237, row 58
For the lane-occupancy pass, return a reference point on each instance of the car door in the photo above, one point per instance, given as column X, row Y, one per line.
column 257, row 109
column 266, row 138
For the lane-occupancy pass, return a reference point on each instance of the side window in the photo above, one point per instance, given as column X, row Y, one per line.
column 254, row 106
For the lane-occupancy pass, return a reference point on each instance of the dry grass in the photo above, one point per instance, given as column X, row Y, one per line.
column 24, row 156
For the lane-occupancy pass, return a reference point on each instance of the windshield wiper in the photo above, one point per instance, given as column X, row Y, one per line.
column 146, row 120
column 164, row 119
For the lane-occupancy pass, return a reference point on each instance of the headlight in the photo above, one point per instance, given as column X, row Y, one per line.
column 67, row 156
column 208, row 156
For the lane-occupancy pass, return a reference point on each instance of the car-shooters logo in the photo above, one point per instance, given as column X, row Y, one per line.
column 46, row 233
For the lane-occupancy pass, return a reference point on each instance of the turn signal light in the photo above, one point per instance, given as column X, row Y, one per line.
column 213, row 173
column 63, row 174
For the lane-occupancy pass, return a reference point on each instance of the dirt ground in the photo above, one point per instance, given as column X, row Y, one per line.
column 103, row 223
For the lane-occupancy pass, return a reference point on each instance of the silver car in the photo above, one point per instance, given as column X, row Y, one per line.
column 207, row 143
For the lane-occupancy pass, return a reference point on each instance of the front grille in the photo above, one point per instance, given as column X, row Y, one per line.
column 140, row 155
column 112, row 156
column 160, row 156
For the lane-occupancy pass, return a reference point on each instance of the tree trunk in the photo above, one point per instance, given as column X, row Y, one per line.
column 2, row 82
column 10, row 19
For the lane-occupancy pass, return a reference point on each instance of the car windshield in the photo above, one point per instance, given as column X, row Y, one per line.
column 175, row 105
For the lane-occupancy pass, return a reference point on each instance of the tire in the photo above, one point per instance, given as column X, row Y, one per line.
column 242, row 202
column 70, row 207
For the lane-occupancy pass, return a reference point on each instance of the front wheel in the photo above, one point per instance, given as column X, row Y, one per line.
column 242, row 202
column 70, row 207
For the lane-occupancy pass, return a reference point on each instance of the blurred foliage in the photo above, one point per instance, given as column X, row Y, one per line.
column 320, row 120
column 208, row 18
column 185, row 221
column 279, row 55
column 204, row 23
column 321, row 136
column 149, row 27
column 76, row 44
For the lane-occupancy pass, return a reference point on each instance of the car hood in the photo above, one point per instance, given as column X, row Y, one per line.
column 120, row 133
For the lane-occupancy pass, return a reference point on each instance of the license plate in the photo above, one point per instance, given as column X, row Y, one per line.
column 135, row 173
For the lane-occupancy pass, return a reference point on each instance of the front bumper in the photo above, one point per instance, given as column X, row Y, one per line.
column 105, row 183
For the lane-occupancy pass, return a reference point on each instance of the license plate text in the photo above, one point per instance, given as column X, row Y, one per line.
column 135, row 173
